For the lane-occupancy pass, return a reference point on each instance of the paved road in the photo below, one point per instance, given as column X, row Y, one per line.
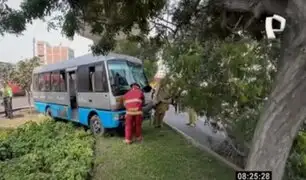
column 17, row 102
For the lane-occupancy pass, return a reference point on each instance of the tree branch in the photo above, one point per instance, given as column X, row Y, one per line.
column 257, row 7
column 162, row 25
column 238, row 22
column 249, row 22
column 194, row 7
column 166, row 21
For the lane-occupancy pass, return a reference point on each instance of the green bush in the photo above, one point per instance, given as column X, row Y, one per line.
column 296, row 164
column 51, row 150
column 4, row 133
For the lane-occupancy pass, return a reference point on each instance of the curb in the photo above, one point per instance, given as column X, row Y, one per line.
column 204, row 148
column 19, row 108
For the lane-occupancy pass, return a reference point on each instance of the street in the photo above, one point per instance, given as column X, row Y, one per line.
column 202, row 133
column 20, row 101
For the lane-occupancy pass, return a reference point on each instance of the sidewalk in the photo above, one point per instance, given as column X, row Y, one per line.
column 203, row 134
column 16, row 113
column 18, row 102
column 15, row 109
column 200, row 136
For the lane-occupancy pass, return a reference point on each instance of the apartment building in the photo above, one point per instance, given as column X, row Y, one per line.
column 52, row 54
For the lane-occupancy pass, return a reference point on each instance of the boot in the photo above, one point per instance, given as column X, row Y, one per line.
column 126, row 141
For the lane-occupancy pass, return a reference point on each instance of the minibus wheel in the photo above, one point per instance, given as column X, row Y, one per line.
column 96, row 126
column 48, row 112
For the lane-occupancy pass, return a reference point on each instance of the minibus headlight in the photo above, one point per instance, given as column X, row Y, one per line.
column 122, row 117
column 119, row 117
column 116, row 116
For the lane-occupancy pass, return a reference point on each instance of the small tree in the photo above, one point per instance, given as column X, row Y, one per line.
column 22, row 74
column 146, row 51
column 5, row 70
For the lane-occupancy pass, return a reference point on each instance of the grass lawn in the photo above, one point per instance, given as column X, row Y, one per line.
column 163, row 155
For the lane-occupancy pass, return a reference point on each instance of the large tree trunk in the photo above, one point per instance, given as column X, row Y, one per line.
column 286, row 107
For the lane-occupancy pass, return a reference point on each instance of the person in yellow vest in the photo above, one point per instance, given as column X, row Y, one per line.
column 7, row 95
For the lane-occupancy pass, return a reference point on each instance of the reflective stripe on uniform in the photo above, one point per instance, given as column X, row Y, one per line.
column 134, row 112
column 132, row 109
column 132, row 101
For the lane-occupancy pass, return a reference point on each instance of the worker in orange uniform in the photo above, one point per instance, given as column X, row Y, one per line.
column 133, row 101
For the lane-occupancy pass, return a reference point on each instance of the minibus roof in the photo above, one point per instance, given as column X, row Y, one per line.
column 83, row 60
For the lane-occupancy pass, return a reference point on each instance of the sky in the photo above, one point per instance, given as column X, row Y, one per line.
column 14, row 49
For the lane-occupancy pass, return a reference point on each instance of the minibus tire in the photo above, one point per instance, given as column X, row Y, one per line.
column 48, row 112
column 96, row 126
column 121, row 129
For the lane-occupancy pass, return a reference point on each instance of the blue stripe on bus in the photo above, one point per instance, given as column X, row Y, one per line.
column 57, row 110
column 106, row 117
column 64, row 112
column 40, row 107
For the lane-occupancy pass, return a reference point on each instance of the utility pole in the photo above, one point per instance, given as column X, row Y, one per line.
column 34, row 46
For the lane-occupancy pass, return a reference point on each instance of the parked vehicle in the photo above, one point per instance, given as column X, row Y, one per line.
column 89, row 89
column 17, row 90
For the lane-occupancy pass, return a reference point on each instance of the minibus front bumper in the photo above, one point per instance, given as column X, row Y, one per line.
column 147, row 112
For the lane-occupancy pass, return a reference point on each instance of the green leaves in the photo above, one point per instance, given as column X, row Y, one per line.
column 145, row 51
column 296, row 165
column 51, row 150
column 223, row 80
column 71, row 24
column 5, row 70
column 105, row 18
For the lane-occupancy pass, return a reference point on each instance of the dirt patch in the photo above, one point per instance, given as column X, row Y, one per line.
column 21, row 117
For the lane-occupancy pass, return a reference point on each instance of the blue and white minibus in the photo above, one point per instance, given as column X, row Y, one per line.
column 89, row 89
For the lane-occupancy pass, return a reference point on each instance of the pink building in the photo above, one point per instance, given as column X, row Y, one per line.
column 52, row 54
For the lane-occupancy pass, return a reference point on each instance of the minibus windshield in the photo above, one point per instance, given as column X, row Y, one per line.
column 123, row 73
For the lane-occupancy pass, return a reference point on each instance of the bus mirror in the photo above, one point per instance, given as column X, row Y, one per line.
column 147, row 88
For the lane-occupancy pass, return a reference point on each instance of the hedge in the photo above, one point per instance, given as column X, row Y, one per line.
column 50, row 150
column 296, row 164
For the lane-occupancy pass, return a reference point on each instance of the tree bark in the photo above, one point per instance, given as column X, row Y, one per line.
column 28, row 94
column 286, row 108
